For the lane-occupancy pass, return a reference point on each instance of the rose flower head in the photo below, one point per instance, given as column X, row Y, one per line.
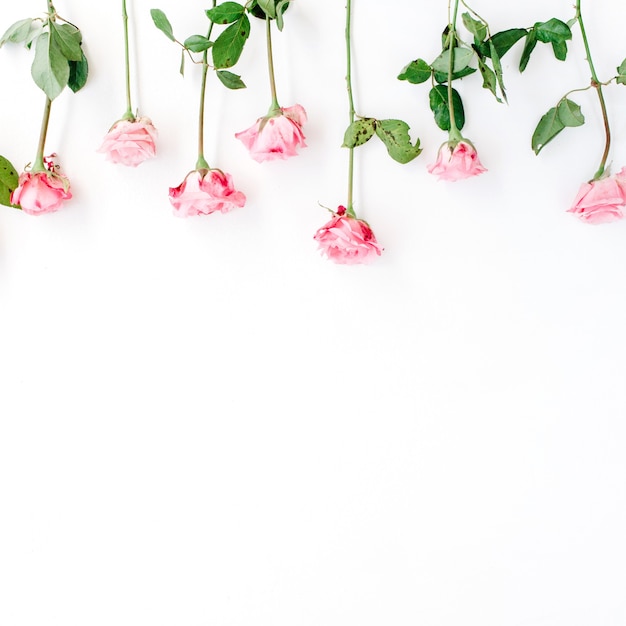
column 205, row 191
column 601, row 201
column 275, row 136
column 130, row 142
column 456, row 161
column 42, row 191
column 347, row 240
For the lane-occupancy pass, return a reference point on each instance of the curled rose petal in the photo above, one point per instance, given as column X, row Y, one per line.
column 456, row 163
column 277, row 137
column 41, row 192
column 347, row 240
column 204, row 192
column 601, row 201
column 130, row 142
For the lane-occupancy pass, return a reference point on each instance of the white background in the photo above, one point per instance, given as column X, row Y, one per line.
column 205, row 423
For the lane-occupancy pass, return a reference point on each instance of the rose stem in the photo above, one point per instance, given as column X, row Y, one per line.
column 351, row 113
column 453, row 133
column 275, row 107
column 595, row 83
column 201, row 163
column 39, row 166
column 129, row 107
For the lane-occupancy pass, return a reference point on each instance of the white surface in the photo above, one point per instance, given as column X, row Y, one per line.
column 204, row 423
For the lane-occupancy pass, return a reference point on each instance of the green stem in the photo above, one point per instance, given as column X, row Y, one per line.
column 351, row 113
column 39, row 166
column 129, row 107
column 275, row 107
column 597, row 85
column 454, row 133
column 201, row 163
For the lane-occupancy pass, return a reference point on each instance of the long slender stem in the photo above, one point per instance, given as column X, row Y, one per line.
column 201, row 163
column 129, row 107
column 275, row 107
column 351, row 113
column 39, row 166
column 595, row 83
column 454, row 132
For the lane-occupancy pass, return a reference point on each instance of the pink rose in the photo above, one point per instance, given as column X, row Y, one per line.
column 601, row 201
column 347, row 240
column 130, row 143
column 41, row 192
column 205, row 191
column 456, row 163
column 275, row 137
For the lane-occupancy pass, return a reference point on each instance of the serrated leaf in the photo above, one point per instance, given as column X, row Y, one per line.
column 359, row 132
column 268, row 7
column 395, row 135
column 67, row 38
column 529, row 46
column 9, row 180
column 462, row 58
column 621, row 73
column 230, row 80
column 505, row 40
column 197, row 43
column 162, row 23
column 79, row 70
column 476, row 27
column 438, row 100
column 570, row 114
column 225, row 13
column 416, row 72
column 229, row 45
column 554, row 30
column 489, row 78
column 50, row 69
column 550, row 125
column 497, row 68
column 17, row 32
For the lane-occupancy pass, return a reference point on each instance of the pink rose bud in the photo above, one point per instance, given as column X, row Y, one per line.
column 601, row 201
column 130, row 142
column 347, row 240
column 456, row 163
column 277, row 137
column 41, row 192
column 205, row 191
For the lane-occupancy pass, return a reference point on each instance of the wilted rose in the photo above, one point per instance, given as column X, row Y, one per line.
column 275, row 137
column 456, row 162
column 41, row 192
column 601, row 201
column 205, row 191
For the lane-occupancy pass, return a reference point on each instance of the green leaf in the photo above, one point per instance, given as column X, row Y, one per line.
column 497, row 68
column 550, row 125
column 552, row 31
column 529, row 46
column 395, row 135
column 438, row 98
column 162, row 23
column 560, row 50
column 230, row 80
column 50, row 69
column 489, row 78
column 268, row 7
column 17, row 32
column 416, row 72
column 570, row 114
column 183, row 56
column 79, row 70
column 476, row 27
column 225, row 13
column 229, row 45
column 359, row 132
column 462, row 58
column 442, row 77
column 506, row 39
column 621, row 73
column 8, row 181
column 197, row 43
column 67, row 38
column 281, row 7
